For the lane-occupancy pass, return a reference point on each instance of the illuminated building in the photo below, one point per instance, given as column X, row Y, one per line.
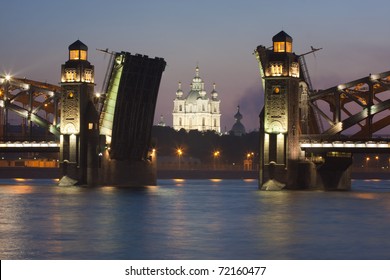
column 196, row 111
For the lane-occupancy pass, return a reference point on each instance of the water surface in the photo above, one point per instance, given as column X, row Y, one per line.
column 193, row 219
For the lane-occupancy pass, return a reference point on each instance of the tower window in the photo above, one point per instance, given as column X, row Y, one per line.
column 70, row 75
column 276, row 68
column 295, row 69
column 83, row 55
column 70, row 95
column 78, row 55
column 88, row 76
column 277, row 90
column 282, row 47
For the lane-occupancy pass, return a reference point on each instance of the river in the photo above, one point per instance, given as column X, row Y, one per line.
column 193, row 219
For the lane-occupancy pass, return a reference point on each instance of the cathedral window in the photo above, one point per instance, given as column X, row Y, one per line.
column 180, row 122
column 203, row 122
column 180, row 108
column 203, row 108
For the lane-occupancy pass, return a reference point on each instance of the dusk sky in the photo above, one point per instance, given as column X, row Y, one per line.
column 218, row 36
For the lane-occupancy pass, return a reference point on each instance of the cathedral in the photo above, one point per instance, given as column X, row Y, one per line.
column 196, row 111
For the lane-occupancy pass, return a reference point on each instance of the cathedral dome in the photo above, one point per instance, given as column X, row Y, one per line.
column 238, row 116
column 214, row 93
column 179, row 92
column 192, row 96
column 238, row 128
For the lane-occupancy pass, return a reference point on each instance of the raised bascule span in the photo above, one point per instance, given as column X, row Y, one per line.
column 300, row 125
column 126, row 119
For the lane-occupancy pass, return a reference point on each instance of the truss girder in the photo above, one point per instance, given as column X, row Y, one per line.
column 361, row 92
column 27, row 98
column 352, row 120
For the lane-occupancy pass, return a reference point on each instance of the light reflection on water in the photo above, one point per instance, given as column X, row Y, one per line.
column 192, row 219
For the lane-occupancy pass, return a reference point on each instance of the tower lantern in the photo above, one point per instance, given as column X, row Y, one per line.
column 282, row 42
column 78, row 51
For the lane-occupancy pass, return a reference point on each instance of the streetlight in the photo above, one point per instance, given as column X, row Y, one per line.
column 216, row 155
column 249, row 161
column 367, row 161
column 179, row 153
column 377, row 161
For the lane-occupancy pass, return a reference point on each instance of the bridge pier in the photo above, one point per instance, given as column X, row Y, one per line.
column 335, row 173
column 301, row 175
column 332, row 174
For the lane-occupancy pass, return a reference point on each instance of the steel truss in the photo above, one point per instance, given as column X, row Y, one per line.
column 35, row 102
column 364, row 93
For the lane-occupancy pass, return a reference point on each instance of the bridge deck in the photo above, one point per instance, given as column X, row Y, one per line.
column 12, row 147
column 347, row 146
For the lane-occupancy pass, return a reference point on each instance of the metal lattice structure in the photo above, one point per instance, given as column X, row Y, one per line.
column 353, row 104
column 35, row 102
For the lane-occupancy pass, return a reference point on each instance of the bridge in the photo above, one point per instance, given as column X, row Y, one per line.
column 299, row 124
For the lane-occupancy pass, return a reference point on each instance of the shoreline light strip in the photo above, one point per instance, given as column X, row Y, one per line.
column 345, row 145
column 29, row 145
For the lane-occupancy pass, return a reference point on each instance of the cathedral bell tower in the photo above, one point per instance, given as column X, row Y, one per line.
column 79, row 118
column 279, row 123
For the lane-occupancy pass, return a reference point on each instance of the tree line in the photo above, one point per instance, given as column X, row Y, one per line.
column 205, row 145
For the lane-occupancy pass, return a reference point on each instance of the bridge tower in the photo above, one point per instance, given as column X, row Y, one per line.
column 79, row 118
column 279, row 121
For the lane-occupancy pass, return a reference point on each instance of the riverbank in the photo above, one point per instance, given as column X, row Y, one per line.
column 54, row 173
